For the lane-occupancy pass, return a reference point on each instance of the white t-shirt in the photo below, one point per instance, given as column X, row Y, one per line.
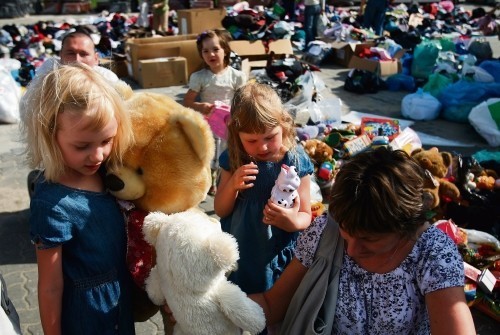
column 217, row 87
column 53, row 62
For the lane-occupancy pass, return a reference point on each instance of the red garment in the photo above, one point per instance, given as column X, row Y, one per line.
column 140, row 254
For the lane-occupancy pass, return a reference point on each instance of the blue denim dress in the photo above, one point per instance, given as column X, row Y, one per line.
column 91, row 229
column 265, row 250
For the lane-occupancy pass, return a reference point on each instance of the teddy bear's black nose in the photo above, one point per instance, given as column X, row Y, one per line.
column 113, row 183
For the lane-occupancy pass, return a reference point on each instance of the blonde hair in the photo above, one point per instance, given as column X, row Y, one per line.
column 256, row 108
column 84, row 90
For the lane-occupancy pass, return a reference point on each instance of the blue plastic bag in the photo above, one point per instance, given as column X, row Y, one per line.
column 492, row 67
column 459, row 98
column 400, row 82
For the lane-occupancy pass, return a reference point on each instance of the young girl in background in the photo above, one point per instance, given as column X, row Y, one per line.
column 75, row 126
column 261, row 137
column 216, row 82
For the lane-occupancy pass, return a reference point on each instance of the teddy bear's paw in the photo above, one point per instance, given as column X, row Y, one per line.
column 153, row 287
column 152, row 224
column 257, row 323
column 241, row 310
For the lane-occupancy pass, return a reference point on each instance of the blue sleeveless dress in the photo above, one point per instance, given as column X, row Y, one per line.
column 265, row 250
column 91, row 229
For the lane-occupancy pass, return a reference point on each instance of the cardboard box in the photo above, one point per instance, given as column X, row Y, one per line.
column 168, row 46
column 118, row 66
column 383, row 68
column 254, row 55
column 162, row 72
column 343, row 52
column 201, row 4
column 76, row 7
column 197, row 20
column 151, row 51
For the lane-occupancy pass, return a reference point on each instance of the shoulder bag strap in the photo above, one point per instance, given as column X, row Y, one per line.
column 312, row 308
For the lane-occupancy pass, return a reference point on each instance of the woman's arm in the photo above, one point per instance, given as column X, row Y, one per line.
column 190, row 101
column 292, row 219
column 229, row 186
column 449, row 313
column 50, row 289
column 275, row 301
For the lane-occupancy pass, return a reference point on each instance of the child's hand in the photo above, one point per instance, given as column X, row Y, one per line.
column 169, row 314
column 206, row 108
column 281, row 217
column 242, row 178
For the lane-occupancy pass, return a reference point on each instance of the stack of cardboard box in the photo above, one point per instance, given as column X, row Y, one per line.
column 170, row 60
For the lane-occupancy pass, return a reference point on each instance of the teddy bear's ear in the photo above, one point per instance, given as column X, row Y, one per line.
column 199, row 134
column 152, row 224
column 416, row 151
column 123, row 89
column 447, row 158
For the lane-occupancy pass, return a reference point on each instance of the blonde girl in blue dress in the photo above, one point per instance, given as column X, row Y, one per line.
column 75, row 126
column 261, row 137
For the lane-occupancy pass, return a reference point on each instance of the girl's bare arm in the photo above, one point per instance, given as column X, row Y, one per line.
column 50, row 289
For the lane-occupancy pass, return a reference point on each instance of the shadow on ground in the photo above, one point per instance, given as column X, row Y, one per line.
column 14, row 234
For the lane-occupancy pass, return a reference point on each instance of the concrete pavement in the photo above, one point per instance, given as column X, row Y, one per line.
column 17, row 257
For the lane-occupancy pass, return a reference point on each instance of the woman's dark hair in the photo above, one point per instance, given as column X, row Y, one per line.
column 378, row 191
column 224, row 38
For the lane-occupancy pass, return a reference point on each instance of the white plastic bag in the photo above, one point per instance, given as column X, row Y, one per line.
column 9, row 319
column 299, row 105
column 481, row 237
column 327, row 111
column 477, row 73
column 420, row 106
column 323, row 24
column 316, row 195
column 10, row 96
column 485, row 118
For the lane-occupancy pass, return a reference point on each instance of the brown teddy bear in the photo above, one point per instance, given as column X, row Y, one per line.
column 436, row 187
column 176, row 252
column 167, row 170
column 317, row 150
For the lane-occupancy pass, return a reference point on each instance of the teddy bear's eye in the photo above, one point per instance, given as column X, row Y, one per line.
column 139, row 171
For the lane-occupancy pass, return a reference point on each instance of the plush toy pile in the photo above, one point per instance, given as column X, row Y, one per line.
column 437, row 164
column 461, row 195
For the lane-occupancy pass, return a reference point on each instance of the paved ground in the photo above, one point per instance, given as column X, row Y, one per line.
column 17, row 257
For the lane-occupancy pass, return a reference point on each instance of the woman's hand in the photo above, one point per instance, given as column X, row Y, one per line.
column 244, row 176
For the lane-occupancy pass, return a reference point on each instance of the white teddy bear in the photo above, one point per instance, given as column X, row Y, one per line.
column 193, row 257
column 285, row 188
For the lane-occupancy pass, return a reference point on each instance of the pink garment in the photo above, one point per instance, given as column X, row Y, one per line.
column 218, row 119
column 447, row 6
column 381, row 52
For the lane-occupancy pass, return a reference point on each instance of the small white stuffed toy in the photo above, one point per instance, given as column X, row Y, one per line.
column 193, row 256
column 284, row 191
